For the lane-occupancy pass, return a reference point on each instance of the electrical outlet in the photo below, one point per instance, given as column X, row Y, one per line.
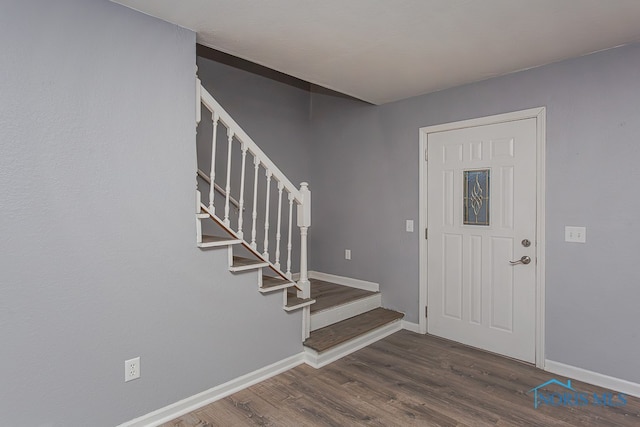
column 575, row 234
column 347, row 254
column 131, row 369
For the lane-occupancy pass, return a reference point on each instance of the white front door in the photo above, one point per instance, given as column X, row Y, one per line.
column 481, row 218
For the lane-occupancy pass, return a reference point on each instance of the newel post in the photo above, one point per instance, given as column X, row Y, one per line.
column 304, row 222
column 198, row 195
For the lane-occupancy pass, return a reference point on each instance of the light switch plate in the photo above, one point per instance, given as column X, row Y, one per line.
column 575, row 234
column 409, row 226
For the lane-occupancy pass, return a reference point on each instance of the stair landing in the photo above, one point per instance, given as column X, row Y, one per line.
column 329, row 294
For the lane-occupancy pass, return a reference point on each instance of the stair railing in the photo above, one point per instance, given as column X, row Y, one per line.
column 301, row 197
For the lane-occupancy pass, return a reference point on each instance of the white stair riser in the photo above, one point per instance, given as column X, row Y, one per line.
column 248, row 267
column 338, row 313
column 275, row 288
column 295, row 307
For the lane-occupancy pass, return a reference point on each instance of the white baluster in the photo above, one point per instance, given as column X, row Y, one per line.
column 215, row 117
column 289, row 246
column 198, row 100
column 228, row 188
column 280, row 187
column 265, row 254
column 241, row 204
column 254, row 215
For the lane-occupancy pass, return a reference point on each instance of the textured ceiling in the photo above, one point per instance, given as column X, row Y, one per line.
column 385, row 50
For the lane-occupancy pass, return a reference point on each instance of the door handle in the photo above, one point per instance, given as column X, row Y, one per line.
column 524, row 260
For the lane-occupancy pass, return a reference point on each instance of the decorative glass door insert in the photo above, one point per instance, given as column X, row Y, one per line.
column 476, row 197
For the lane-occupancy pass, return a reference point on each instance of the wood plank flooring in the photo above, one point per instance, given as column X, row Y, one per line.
column 407, row 379
column 329, row 294
column 338, row 333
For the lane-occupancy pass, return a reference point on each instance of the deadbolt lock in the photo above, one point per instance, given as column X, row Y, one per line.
column 526, row 243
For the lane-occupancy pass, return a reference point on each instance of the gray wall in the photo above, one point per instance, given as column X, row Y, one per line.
column 98, row 261
column 273, row 113
column 365, row 176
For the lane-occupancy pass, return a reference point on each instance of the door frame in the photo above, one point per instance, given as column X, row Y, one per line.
column 540, row 115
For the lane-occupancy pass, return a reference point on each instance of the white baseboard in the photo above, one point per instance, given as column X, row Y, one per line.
column 206, row 397
column 318, row 360
column 345, row 281
column 595, row 378
column 410, row 326
column 335, row 314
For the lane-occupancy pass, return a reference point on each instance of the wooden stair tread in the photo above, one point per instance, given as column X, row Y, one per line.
column 338, row 333
column 270, row 282
column 215, row 239
column 329, row 294
column 239, row 261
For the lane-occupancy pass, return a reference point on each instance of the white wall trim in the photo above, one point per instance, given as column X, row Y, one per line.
column 318, row 360
column 206, row 397
column 595, row 378
column 540, row 115
column 410, row 326
column 541, row 122
column 345, row 281
column 422, row 225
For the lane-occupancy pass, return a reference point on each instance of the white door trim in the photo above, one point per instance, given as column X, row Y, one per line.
column 540, row 115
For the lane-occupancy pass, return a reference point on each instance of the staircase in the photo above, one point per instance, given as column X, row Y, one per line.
column 258, row 235
column 222, row 220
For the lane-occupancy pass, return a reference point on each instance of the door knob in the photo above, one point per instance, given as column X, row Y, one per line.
column 524, row 260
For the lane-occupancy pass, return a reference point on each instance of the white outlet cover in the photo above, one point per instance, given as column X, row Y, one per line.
column 347, row 254
column 575, row 234
column 131, row 369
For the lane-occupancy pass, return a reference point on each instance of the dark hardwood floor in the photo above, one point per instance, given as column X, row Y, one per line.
column 408, row 379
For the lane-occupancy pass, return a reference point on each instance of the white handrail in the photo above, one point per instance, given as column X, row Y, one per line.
column 213, row 106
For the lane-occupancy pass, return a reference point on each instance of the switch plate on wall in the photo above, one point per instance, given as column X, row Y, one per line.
column 575, row 234
column 347, row 254
column 409, row 226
